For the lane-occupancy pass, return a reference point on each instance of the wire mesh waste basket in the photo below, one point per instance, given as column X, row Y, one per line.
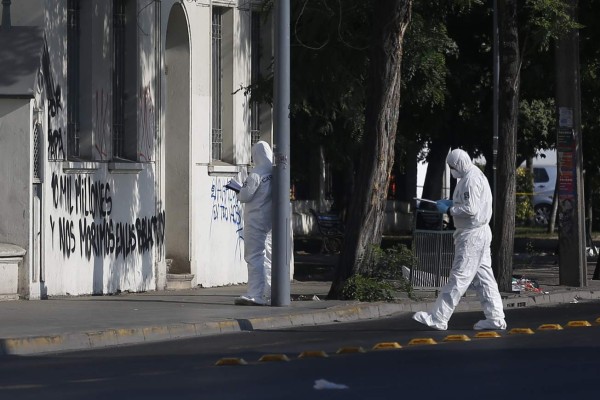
column 433, row 246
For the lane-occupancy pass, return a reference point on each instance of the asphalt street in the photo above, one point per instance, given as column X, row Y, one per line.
column 549, row 364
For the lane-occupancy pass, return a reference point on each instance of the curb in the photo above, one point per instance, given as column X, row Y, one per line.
column 129, row 336
column 341, row 313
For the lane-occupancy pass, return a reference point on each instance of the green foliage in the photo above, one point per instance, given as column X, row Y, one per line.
column 365, row 288
column 589, row 13
column 382, row 276
column 388, row 263
column 424, row 70
column 524, row 210
column 537, row 126
column 546, row 20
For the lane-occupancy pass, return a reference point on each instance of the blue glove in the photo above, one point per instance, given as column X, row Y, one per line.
column 443, row 205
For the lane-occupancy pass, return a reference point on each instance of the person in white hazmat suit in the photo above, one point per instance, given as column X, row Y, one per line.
column 471, row 208
column 256, row 194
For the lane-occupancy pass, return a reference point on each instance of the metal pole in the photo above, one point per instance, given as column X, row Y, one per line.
column 496, row 77
column 572, row 260
column 280, row 295
column 6, row 24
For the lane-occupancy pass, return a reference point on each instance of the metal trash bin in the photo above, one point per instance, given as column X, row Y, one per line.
column 433, row 246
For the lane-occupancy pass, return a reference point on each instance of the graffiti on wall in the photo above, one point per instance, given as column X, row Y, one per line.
column 89, row 230
column 147, row 117
column 56, row 149
column 226, row 208
column 225, row 205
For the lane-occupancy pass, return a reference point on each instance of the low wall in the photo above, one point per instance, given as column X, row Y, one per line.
column 11, row 259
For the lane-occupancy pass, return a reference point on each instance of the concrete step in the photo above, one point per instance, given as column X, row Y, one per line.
column 179, row 281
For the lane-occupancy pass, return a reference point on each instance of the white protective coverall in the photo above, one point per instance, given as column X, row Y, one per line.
column 472, row 211
column 256, row 194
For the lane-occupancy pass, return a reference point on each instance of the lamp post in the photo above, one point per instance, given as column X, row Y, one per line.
column 571, row 235
column 280, row 295
column 495, row 90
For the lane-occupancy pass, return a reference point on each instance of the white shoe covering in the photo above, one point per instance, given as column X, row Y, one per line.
column 490, row 324
column 248, row 301
column 426, row 319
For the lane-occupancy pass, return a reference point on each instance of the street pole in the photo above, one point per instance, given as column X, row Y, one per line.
column 281, row 259
column 571, row 232
column 6, row 24
column 495, row 95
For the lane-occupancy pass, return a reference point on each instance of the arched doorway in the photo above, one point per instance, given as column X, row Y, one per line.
column 177, row 143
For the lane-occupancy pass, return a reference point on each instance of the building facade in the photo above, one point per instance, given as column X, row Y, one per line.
column 135, row 118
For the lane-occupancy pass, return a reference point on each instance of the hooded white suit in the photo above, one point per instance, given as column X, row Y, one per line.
column 256, row 194
column 472, row 211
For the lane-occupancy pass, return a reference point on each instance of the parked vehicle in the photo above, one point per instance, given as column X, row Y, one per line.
column 544, row 182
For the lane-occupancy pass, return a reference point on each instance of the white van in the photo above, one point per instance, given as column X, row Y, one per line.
column 544, row 182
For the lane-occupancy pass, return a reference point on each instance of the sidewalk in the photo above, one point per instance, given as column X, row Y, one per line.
column 75, row 323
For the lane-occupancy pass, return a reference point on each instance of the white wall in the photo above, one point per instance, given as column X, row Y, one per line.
column 15, row 116
column 103, row 227
column 27, row 12
column 217, row 242
column 101, row 231
column 216, row 215
column 103, row 222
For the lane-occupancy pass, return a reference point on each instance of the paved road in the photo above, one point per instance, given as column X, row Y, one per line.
column 547, row 364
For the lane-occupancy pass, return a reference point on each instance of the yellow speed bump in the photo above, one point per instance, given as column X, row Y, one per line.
column 347, row 350
column 387, row 346
column 313, row 354
column 598, row 320
column 487, row 335
column 550, row 327
column 456, row 338
column 231, row 361
column 418, row 341
column 521, row 331
column 274, row 357
column 576, row 324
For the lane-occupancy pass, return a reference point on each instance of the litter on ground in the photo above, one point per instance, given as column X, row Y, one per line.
column 523, row 284
column 324, row 384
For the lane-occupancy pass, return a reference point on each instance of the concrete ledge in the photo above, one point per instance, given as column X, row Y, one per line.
column 11, row 250
column 179, row 281
column 11, row 259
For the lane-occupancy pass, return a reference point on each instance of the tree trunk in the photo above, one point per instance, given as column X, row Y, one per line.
column 364, row 225
column 436, row 165
column 587, row 188
column 504, row 229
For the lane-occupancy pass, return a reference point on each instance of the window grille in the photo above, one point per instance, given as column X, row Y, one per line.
column 118, row 77
column 73, row 77
column 37, row 166
column 217, row 84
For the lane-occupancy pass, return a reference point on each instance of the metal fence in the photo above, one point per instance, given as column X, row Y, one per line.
column 433, row 247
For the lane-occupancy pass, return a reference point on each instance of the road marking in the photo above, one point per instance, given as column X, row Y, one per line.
column 550, row 327
column 347, row 350
column 576, row 324
column 457, row 338
column 274, row 357
column 313, row 354
column 387, row 346
column 487, row 335
column 521, row 331
column 420, row 341
column 231, row 361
